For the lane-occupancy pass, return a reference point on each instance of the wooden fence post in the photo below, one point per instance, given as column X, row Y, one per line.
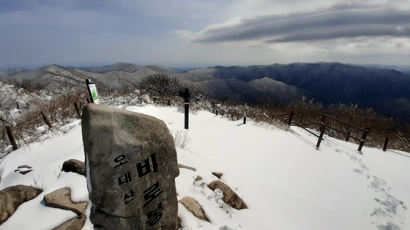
column 348, row 135
column 77, row 110
column 291, row 117
column 386, row 141
column 322, row 132
column 301, row 118
column 46, row 120
column 363, row 139
column 11, row 138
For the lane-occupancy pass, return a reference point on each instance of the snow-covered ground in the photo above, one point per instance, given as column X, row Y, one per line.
column 285, row 181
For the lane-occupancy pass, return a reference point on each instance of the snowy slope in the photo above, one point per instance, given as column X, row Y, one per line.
column 284, row 180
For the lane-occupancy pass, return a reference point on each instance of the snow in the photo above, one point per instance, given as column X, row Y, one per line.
column 286, row 182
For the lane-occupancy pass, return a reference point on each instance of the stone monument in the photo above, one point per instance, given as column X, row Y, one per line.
column 131, row 165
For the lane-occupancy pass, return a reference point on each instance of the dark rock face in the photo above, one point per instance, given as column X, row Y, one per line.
column 131, row 166
column 76, row 223
column 12, row 197
column 61, row 198
column 230, row 197
column 75, row 166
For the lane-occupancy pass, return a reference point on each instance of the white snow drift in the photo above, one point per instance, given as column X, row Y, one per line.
column 285, row 181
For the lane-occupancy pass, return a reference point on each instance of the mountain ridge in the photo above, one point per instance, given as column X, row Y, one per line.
column 385, row 90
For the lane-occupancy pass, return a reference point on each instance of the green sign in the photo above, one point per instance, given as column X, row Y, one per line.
column 94, row 93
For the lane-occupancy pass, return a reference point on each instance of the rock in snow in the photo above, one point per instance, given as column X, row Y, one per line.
column 61, row 198
column 12, row 197
column 194, row 207
column 218, row 174
column 75, row 166
column 230, row 197
column 24, row 169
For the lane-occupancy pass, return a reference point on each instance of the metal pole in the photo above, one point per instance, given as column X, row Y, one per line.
column 186, row 114
column 185, row 94
column 244, row 114
column 88, row 81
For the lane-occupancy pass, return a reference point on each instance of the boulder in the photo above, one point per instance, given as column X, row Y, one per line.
column 230, row 197
column 75, row 166
column 131, row 165
column 198, row 178
column 194, row 207
column 12, row 197
column 61, row 198
column 218, row 174
column 76, row 223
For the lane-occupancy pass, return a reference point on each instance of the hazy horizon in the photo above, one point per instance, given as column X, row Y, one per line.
column 186, row 67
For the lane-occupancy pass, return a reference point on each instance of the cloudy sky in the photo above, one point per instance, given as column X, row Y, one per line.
column 183, row 33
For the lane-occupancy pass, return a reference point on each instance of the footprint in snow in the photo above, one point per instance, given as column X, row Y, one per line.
column 378, row 185
column 225, row 228
column 388, row 205
column 358, row 171
column 388, row 226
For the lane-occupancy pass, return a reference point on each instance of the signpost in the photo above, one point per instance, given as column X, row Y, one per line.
column 185, row 94
column 244, row 113
column 92, row 90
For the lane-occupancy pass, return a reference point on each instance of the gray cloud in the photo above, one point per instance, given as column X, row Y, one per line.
column 337, row 22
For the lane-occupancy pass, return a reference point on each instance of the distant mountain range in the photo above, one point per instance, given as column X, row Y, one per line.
column 385, row 90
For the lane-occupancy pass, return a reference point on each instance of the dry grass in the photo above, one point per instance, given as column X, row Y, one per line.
column 59, row 112
column 181, row 139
